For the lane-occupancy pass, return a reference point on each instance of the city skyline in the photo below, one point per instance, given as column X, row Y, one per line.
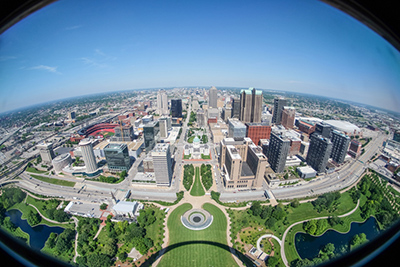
column 302, row 47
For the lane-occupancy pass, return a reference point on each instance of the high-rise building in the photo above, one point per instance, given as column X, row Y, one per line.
column 71, row 115
column 88, row 155
column 242, row 163
column 162, row 164
column 323, row 129
column 288, row 115
column 123, row 134
column 340, row 145
column 162, row 103
column 319, row 152
column 355, row 148
column 266, row 117
column 61, row 162
column 226, row 113
column 257, row 131
column 176, row 108
column 236, row 108
column 46, row 152
column 277, row 152
column 236, row 128
column 163, row 128
column 212, row 97
column 279, row 103
column 251, row 105
column 200, row 118
column 307, row 127
column 117, row 157
column 151, row 133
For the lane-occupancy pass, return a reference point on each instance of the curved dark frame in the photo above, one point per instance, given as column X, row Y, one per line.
column 380, row 16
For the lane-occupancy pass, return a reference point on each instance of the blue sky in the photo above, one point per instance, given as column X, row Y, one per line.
column 72, row 48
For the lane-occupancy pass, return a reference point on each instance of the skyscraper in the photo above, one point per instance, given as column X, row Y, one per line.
column 279, row 103
column 46, row 152
column 278, row 151
column 236, row 108
column 163, row 128
column 318, row 152
column 243, row 163
column 88, row 155
column 162, row 164
column 117, row 157
column 123, row 134
column 288, row 115
column 323, row 129
column 176, row 108
column 251, row 105
column 151, row 133
column 162, row 103
column 212, row 97
column 340, row 145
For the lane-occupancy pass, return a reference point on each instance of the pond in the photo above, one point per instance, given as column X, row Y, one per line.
column 308, row 246
column 38, row 234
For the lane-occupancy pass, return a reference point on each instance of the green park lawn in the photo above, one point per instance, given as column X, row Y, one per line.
column 197, row 254
column 34, row 170
column 290, row 249
column 197, row 189
column 54, row 181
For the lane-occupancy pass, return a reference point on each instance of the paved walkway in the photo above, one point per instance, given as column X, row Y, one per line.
column 76, row 221
column 284, row 259
column 266, row 236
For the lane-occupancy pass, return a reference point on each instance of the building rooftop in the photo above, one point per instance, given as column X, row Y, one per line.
column 161, row 147
column 125, row 206
column 344, row 126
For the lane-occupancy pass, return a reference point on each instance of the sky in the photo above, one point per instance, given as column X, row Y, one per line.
column 72, row 48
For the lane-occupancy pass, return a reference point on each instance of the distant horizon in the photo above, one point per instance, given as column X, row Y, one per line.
column 67, row 49
column 190, row 87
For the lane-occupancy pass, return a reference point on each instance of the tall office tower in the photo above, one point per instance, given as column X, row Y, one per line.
column 117, row 157
column 71, row 115
column 176, row 108
column 279, row 103
column 340, row 145
column 200, row 118
column 257, row 131
column 226, row 113
column 236, row 108
column 151, row 133
column 277, row 151
column 163, row 128
column 212, row 97
column 242, row 163
column 318, row 152
column 123, row 134
column 162, row 103
column 257, row 162
column 236, row 128
column 162, row 164
column 251, row 105
column 266, row 117
column 288, row 114
column 323, row 129
column 355, row 148
column 46, row 152
column 88, row 155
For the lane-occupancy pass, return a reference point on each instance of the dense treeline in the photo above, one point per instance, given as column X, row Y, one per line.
column 271, row 214
column 206, row 176
column 188, row 174
column 62, row 243
column 326, row 202
column 377, row 204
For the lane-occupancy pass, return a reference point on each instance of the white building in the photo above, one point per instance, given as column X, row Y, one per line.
column 127, row 208
column 196, row 149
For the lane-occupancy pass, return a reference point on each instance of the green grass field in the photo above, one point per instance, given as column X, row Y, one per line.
column 53, row 181
column 34, row 170
column 197, row 189
column 197, row 254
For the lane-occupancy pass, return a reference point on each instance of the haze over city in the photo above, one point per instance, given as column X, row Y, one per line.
column 72, row 48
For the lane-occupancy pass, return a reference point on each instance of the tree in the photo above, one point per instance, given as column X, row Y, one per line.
column 256, row 208
column 329, row 248
column 33, row 218
column 103, row 206
column 122, row 256
column 295, row 203
column 98, row 260
column 272, row 261
column 270, row 222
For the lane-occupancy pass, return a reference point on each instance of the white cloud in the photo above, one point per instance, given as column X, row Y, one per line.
column 93, row 62
column 73, row 27
column 46, row 68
